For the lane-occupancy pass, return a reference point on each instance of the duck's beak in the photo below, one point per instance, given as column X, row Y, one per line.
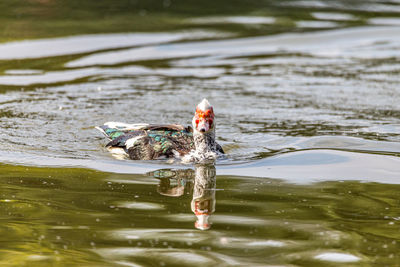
column 203, row 126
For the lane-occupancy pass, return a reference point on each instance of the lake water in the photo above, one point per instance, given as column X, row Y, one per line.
column 306, row 96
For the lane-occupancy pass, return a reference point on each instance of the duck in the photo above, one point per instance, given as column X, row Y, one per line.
column 142, row 141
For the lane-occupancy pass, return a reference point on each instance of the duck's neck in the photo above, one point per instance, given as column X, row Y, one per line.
column 204, row 142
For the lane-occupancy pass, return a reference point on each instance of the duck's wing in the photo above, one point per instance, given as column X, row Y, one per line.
column 167, row 127
column 149, row 141
column 114, row 130
column 160, row 142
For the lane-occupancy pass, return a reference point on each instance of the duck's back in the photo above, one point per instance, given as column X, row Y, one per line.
column 149, row 141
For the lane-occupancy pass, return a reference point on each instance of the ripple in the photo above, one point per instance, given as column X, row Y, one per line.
column 384, row 21
column 129, row 264
column 169, row 255
column 37, row 257
column 89, row 43
column 361, row 6
column 8, row 200
column 235, row 242
column 337, row 257
column 183, row 235
column 230, row 219
column 48, row 77
column 343, row 42
column 235, row 19
column 23, row 72
column 348, row 166
column 316, row 24
column 266, row 243
column 51, row 77
column 180, row 217
column 140, row 205
column 69, row 227
column 333, row 16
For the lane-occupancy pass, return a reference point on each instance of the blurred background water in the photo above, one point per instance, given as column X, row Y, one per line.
column 306, row 99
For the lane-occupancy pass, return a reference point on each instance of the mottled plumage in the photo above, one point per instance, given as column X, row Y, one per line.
column 152, row 141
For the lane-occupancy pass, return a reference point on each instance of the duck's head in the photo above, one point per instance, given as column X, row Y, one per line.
column 203, row 120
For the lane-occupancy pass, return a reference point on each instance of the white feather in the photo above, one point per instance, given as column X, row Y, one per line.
column 131, row 142
column 118, row 152
column 126, row 126
column 176, row 154
column 101, row 130
column 204, row 105
column 197, row 157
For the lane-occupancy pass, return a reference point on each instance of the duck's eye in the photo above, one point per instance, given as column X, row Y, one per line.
column 210, row 121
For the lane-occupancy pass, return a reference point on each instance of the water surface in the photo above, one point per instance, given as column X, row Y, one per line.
column 306, row 101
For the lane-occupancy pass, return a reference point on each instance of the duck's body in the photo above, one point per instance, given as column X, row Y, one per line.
column 153, row 141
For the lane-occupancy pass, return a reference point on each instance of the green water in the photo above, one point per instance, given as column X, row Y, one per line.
column 306, row 101
column 59, row 216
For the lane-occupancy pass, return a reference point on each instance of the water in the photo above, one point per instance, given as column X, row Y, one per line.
column 306, row 101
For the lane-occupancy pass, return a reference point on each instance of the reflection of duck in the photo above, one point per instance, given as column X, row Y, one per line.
column 151, row 141
column 174, row 182
column 203, row 202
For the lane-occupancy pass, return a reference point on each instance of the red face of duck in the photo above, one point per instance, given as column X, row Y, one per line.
column 203, row 120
